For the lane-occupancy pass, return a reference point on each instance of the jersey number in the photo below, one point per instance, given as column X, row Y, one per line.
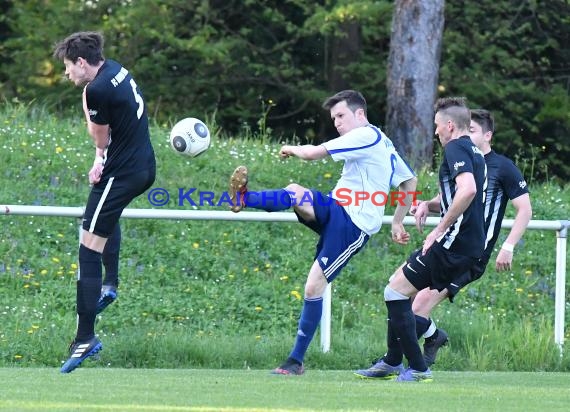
column 393, row 161
column 138, row 99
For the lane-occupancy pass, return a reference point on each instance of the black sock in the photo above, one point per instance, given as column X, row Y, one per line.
column 111, row 257
column 394, row 355
column 88, row 292
column 404, row 324
column 422, row 325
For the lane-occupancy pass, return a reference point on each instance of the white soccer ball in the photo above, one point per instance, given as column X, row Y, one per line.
column 190, row 137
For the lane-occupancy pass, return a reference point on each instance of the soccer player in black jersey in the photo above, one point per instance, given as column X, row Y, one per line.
column 449, row 250
column 504, row 181
column 124, row 167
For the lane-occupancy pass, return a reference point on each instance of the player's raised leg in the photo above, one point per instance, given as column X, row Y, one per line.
column 270, row 200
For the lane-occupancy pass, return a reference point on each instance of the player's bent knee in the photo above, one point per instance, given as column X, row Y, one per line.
column 314, row 291
column 294, row 188
column 391, row 294
column 299, row 192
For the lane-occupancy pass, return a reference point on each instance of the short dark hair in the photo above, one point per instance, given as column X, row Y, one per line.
column 483, row 118
column 354, row 100
column 86, row 44
column 456, row 109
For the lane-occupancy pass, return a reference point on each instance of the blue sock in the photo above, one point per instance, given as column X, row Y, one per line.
column 310, row 318
column 269, row 200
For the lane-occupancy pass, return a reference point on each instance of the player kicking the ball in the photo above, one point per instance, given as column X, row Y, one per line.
column 371, row 165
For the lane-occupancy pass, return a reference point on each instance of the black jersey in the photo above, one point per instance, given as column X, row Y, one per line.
column 114, row 98
column 466, row 236
column 504, row 181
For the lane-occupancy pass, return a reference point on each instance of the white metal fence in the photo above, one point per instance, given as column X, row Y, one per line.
column 560, row 226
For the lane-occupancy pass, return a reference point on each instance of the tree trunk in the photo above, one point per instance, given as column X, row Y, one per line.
column 413, row 68
column 344, row 49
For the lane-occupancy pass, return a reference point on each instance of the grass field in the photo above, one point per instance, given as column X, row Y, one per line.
column 227, row 295
column 100, row 389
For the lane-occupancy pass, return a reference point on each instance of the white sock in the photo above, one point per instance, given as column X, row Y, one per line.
column 431, row 330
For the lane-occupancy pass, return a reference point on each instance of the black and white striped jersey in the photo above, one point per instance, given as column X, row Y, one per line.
column 466, row 236
column 504, row 182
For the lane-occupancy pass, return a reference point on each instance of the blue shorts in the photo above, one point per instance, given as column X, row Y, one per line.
column 339, row 238
column 110, row 197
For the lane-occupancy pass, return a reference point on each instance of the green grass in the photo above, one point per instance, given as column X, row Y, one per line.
column 255, row 390
column 219, row 294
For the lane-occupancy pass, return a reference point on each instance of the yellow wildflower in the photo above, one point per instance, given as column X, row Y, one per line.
column 296, row 294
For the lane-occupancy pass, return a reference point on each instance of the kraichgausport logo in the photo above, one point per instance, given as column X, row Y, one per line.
column 160, row 197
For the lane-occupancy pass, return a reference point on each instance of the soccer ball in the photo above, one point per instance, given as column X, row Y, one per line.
column 190, row 137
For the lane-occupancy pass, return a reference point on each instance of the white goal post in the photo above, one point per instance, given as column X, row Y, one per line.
column 560, row 226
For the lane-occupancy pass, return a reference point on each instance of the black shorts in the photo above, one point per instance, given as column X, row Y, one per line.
column 109, row 198
column 437, row 268
column 466, row 278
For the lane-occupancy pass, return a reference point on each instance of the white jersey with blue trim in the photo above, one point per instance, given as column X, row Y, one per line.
column 371, row 167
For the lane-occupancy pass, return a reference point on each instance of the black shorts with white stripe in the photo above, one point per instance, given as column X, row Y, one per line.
column 437, row 268
column 466, row 278
column 109, row 198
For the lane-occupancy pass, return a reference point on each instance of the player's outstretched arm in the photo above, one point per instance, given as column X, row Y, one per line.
column 305, row 152
column 423, row 209
column 522, row 218
column 464, row 195
column 399, row 234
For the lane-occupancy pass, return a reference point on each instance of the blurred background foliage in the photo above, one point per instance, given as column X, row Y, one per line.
column 263, row 67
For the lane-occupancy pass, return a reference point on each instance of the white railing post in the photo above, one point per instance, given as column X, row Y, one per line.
column 326, row 320
column 560, row 295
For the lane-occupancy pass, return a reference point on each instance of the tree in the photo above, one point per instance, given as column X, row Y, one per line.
column 5, row 34
column 266, row 65
column 413, row 67
column 509, row 57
